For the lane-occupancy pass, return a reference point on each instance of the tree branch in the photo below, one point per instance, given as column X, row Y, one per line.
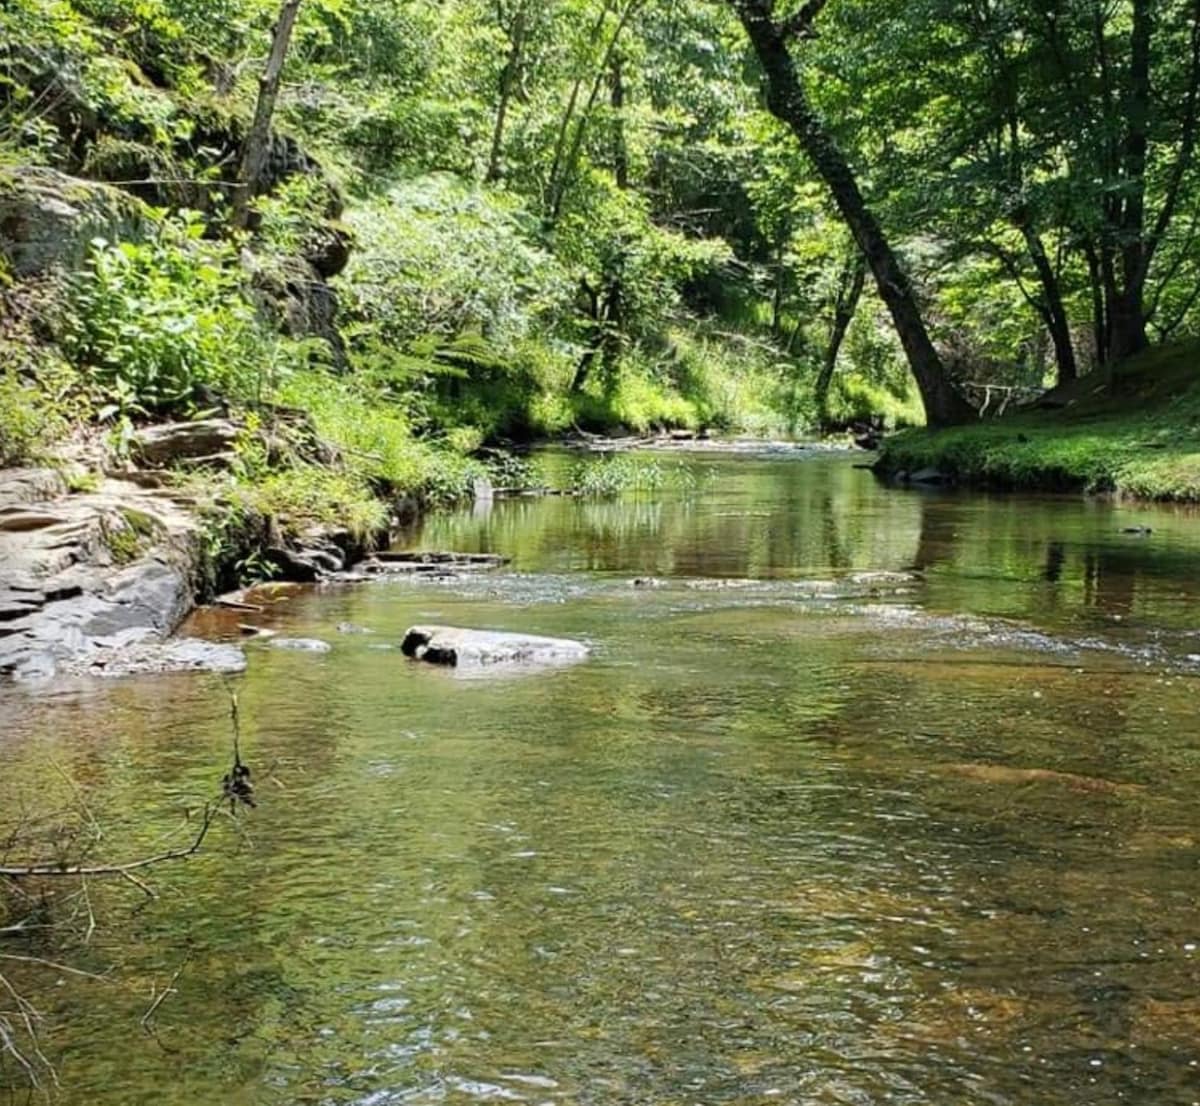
column 800, row 23
column 30, row 871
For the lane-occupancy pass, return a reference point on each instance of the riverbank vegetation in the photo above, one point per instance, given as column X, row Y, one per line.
column 1138, row 435
column 418, row 229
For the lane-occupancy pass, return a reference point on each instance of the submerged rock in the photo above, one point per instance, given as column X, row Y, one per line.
column 353, row 628
column 262, row 633
column 931, row 477
column 455, row 646
column 1005, row 774
column 301, row 644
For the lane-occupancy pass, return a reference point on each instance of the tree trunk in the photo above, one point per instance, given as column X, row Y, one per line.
column 617, row 102
column 1126, row 324
column 1055, row 312
column 612, row 339
column 1050, row 306
column 777, row 293
column 1099, row 317
column 564, row 167
column 258, row 138
column 850, row 288
column 1128, row 313
column 508, row 79
column 584, row 369
column 787, row 101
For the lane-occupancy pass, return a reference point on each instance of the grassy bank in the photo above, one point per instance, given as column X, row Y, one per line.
column 1138, row 438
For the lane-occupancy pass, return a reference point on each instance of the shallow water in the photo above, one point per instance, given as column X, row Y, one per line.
column 775, row 842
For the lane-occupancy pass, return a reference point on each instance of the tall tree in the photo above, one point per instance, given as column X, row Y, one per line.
column 787, row 100
column 517, row 29
column 1127, row 76
column 258, row 138
column 574, row 126
column 848, row 292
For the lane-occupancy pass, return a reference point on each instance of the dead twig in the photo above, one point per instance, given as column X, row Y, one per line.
column 43, row 962
column 159, row 998
column 30, row 871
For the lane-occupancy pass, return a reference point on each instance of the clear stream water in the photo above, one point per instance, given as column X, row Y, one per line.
column 775, row 843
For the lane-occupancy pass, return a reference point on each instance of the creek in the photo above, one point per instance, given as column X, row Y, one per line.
column 865, row 795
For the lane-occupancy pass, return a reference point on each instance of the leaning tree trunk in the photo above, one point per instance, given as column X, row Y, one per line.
column 850, row 288
column 617, row 103
column 258, row 138
column 787, row 101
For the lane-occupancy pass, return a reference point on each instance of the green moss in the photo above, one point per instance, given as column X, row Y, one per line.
column 124, row 543
column 1138, row 436
column 140, row 523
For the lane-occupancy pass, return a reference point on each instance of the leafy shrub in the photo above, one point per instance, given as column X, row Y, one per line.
column 855, row 399
column 437, row 257
column 28, row 422
column 157, row 324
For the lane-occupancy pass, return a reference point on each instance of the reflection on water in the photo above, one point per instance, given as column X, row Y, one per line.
column 777, row 842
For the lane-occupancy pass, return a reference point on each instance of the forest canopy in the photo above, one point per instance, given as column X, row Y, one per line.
column 513, row 217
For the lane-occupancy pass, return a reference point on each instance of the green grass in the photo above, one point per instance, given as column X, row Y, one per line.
column 1138, row 438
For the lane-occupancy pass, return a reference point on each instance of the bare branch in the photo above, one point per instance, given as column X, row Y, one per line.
column 50, row 964
column 31, row 870
column 160, row 998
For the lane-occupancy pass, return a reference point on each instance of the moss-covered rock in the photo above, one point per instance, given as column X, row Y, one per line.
column 49, row 219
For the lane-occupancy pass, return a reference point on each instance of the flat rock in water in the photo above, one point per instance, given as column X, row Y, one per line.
column 430, row 557
column 153, row 658
column 352, row 628
column 301, row 644
column 455, row 646
column 430, row 563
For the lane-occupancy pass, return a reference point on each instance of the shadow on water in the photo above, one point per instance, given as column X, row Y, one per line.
column 797, row 833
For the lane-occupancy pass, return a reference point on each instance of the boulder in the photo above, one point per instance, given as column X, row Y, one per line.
column 328, row 249
column 49, row 219
column 175, row 441
column 458, row 647
column 293, row 294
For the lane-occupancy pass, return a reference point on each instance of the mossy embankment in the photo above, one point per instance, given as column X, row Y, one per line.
column 1135, row 435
